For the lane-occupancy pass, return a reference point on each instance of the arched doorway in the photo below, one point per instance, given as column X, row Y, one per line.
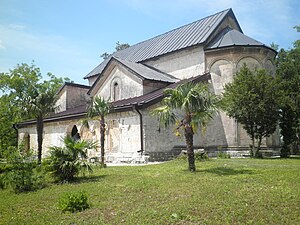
column 73, row 132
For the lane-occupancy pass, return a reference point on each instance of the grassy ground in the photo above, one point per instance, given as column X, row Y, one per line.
column 222, row 191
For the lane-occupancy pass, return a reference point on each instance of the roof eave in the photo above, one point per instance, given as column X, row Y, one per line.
column 232, row 46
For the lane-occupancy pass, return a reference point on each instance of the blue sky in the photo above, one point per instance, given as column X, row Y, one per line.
column 67, row 37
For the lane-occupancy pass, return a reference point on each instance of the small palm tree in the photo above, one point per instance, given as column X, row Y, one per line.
column 66, row 162
column 100, row 108
column 197, row 104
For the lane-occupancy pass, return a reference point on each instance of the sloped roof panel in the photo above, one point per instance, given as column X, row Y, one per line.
column 229, row 37
column 189, row 35
column 147, row 72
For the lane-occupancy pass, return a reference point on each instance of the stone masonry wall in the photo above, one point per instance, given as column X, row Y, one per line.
column 223, row 64
column 182, row 64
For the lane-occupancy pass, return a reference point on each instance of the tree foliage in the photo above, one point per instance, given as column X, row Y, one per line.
column 99, row 109
column 28, row 96
column 189, row 106
column 252, row 100
column 288, row 80
column 8, row 116
column 119, row 47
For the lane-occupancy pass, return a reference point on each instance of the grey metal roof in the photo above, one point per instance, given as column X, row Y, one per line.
column 186, row 36
column 141, row 70
column 230, row 37
column 151, row 98
column 73, row 85
column 147, row 72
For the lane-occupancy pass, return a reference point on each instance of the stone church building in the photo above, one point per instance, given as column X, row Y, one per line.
column 210, row 50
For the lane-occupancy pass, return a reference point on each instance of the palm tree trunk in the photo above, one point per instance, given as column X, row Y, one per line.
column 39, row 129
column 102, row 137
column 189, row 135
column 258, row 147
column 253, row 146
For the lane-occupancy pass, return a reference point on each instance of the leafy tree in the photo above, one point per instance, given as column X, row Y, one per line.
column 8, row 113
column 66, row 162
column 100, row 108
column 30, row 97
column 252, row 100
column 189, row 105
column 274, row 46
column 119, row 46
column 105, row 55
column 288, row 80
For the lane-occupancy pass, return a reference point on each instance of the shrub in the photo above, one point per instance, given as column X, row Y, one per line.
column 223, row 155
column 73, row 202
column 4, row 167
column 23, row 176
column 66, row 162
column 2, row 181
column 201, row 156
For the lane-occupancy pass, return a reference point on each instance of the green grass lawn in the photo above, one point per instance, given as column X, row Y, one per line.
column 222, row 191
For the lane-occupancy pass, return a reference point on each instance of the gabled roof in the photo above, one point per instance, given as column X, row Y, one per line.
column 146, row 100
column 73, row 85
column 230, row 37
column 147, row 72
column 141, row 102
column 188, row 35
column 142, row 71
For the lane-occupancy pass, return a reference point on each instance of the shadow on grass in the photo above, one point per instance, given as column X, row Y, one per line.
column 223, row 171
column 87, row 179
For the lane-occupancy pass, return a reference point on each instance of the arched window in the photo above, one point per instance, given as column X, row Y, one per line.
column 116, row 91
column 74, row 133
column 26, row 140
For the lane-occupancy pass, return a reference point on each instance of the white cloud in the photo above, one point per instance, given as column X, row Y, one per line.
column 1, row 45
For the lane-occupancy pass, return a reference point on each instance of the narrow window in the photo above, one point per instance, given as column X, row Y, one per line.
column 27, row 142
column 116, row 91
column 74, row 133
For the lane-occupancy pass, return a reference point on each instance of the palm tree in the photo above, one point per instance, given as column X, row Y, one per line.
column 66, row 162
column 197, row 104
column 41, row 104
column 100, row 108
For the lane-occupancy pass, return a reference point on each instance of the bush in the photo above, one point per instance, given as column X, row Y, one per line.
column 2, row 181
column 201, row 156
column 23, row 175
column 4, row 167
column 73, row 202
column 223, row 155
column 66, row 162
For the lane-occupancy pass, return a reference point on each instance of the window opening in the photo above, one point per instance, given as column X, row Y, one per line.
column 74, row 133
column 116, row 91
